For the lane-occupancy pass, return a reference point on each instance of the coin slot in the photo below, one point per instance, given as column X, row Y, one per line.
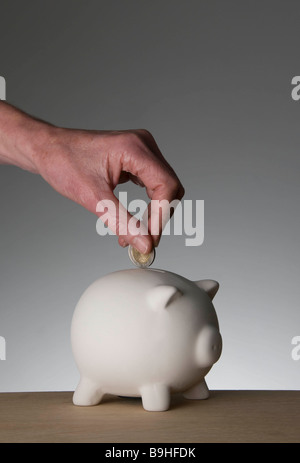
column 157, row 270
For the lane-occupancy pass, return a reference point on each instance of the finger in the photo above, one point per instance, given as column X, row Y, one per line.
column 161, row 208
column 161, row 182
column 152, row 144
column 129, row 230
column 127, row 176
column 122, row 242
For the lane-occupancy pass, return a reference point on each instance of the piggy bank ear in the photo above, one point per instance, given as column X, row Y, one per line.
column 209, row 286
column 162, row 296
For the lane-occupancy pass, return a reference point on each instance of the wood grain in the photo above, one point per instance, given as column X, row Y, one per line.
column 227, row 416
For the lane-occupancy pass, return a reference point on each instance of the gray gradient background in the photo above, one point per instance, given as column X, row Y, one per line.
column 212, row 81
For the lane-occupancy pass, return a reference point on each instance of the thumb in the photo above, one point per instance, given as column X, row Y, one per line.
column 114, row 215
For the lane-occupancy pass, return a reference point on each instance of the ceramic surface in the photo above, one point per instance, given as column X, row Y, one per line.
column 145, row 333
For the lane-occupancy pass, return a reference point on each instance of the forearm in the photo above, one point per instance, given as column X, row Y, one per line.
column 19, row 136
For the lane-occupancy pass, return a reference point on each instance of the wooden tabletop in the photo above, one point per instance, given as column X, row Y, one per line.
column 227, row 416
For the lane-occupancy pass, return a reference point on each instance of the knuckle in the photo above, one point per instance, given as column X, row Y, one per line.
column 132, row 138
column 175, row 188
column 173, row 185
column 137, row 140
column 144, row 132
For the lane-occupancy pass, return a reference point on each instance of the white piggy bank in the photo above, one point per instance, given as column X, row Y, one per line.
column 145, row 333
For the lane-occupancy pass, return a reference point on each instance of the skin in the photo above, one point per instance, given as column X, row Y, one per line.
column 86, row 165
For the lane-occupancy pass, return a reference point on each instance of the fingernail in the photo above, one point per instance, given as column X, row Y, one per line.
column 140, row 244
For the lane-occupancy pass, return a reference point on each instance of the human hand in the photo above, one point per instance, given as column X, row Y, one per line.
column 86, row 166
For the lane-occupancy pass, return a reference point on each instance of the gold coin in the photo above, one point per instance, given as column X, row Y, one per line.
column 139, row 259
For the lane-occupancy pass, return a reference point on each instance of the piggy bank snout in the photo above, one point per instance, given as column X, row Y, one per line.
column 208, row 346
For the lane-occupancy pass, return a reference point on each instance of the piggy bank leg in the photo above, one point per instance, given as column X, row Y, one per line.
column 155, row 397
column 87, row 393
column 199, row 391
